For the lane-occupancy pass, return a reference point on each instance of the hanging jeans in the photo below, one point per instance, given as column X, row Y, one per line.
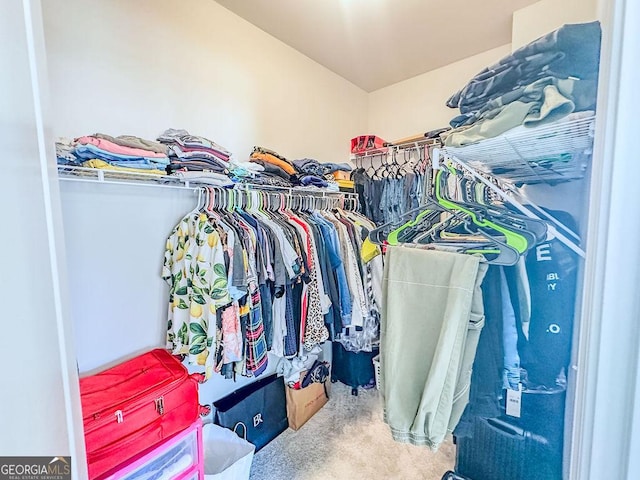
column 426, row 349
column 332, row 243
column 509, row 337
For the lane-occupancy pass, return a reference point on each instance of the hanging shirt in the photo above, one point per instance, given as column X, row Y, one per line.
column 194, row 267
column 353, row 274
column 314, row 329
column 279, row 325
column 231, row 334
column 333, row 249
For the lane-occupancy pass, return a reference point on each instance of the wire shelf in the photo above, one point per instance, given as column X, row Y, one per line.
column 76, row 173
column 553, row 153
column 121, row 177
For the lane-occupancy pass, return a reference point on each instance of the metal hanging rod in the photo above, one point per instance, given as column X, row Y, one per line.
column 316, row 200
column 291, row 190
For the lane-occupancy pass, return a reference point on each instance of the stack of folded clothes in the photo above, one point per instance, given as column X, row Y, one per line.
column 313, row 171
column 215, row 164
column 193, row 153
column 125, row 153
column 194, row 158
column 65, row 148
column 537, row 84
column 306, row 172
column 277, row 170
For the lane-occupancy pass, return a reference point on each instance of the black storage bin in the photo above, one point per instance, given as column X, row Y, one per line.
column 500, row 450
column 353, row 368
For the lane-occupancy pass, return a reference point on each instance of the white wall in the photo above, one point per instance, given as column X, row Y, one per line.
column 530, row 23
column 39, row 405
column 115, row 239
column 138, row 67
column 418, row 105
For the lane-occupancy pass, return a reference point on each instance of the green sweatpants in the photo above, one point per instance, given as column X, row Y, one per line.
column 431, row 321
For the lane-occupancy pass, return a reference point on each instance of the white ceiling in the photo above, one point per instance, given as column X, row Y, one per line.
column 375, row 43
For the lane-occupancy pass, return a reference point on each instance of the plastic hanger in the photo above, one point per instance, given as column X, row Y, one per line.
column 202, row 192
column 392, row 237
column 513, row 239
column 408, row 232
column 487, row 244
column 378, row 235
column 381, row 170
column 370, row 171
column 535, row 230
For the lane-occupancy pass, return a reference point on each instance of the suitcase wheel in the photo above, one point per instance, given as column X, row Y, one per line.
column 354, row 392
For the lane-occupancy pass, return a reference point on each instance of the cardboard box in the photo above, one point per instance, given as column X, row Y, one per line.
column 304, row 403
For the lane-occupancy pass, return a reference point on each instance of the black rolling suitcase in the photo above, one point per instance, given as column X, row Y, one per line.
column 525, row 448
column 353, row 368
column 500, row 450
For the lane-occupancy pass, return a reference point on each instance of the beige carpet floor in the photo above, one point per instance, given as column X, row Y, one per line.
column 348, row 440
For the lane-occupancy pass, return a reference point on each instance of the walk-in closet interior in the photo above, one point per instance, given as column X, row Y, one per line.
column 310, row 240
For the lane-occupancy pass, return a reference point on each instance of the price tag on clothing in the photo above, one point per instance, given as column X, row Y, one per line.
column 514, row 399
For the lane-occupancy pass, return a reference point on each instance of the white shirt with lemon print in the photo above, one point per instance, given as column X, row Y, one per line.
column 195, row 270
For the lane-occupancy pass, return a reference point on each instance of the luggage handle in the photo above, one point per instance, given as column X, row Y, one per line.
column 449, row 475
column 505, row 427
column 198, row 377
column 244, row 437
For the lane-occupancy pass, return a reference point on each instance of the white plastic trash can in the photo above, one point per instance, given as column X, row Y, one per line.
column 226, row 455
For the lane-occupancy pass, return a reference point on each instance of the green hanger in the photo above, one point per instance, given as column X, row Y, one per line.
column 392, row 237
column 513, row 239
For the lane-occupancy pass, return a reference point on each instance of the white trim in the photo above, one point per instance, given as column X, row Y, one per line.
column 37, row 66
column 610, row 335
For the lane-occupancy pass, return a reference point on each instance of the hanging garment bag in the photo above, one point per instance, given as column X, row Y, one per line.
column 260, row 407
column 134, row 406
